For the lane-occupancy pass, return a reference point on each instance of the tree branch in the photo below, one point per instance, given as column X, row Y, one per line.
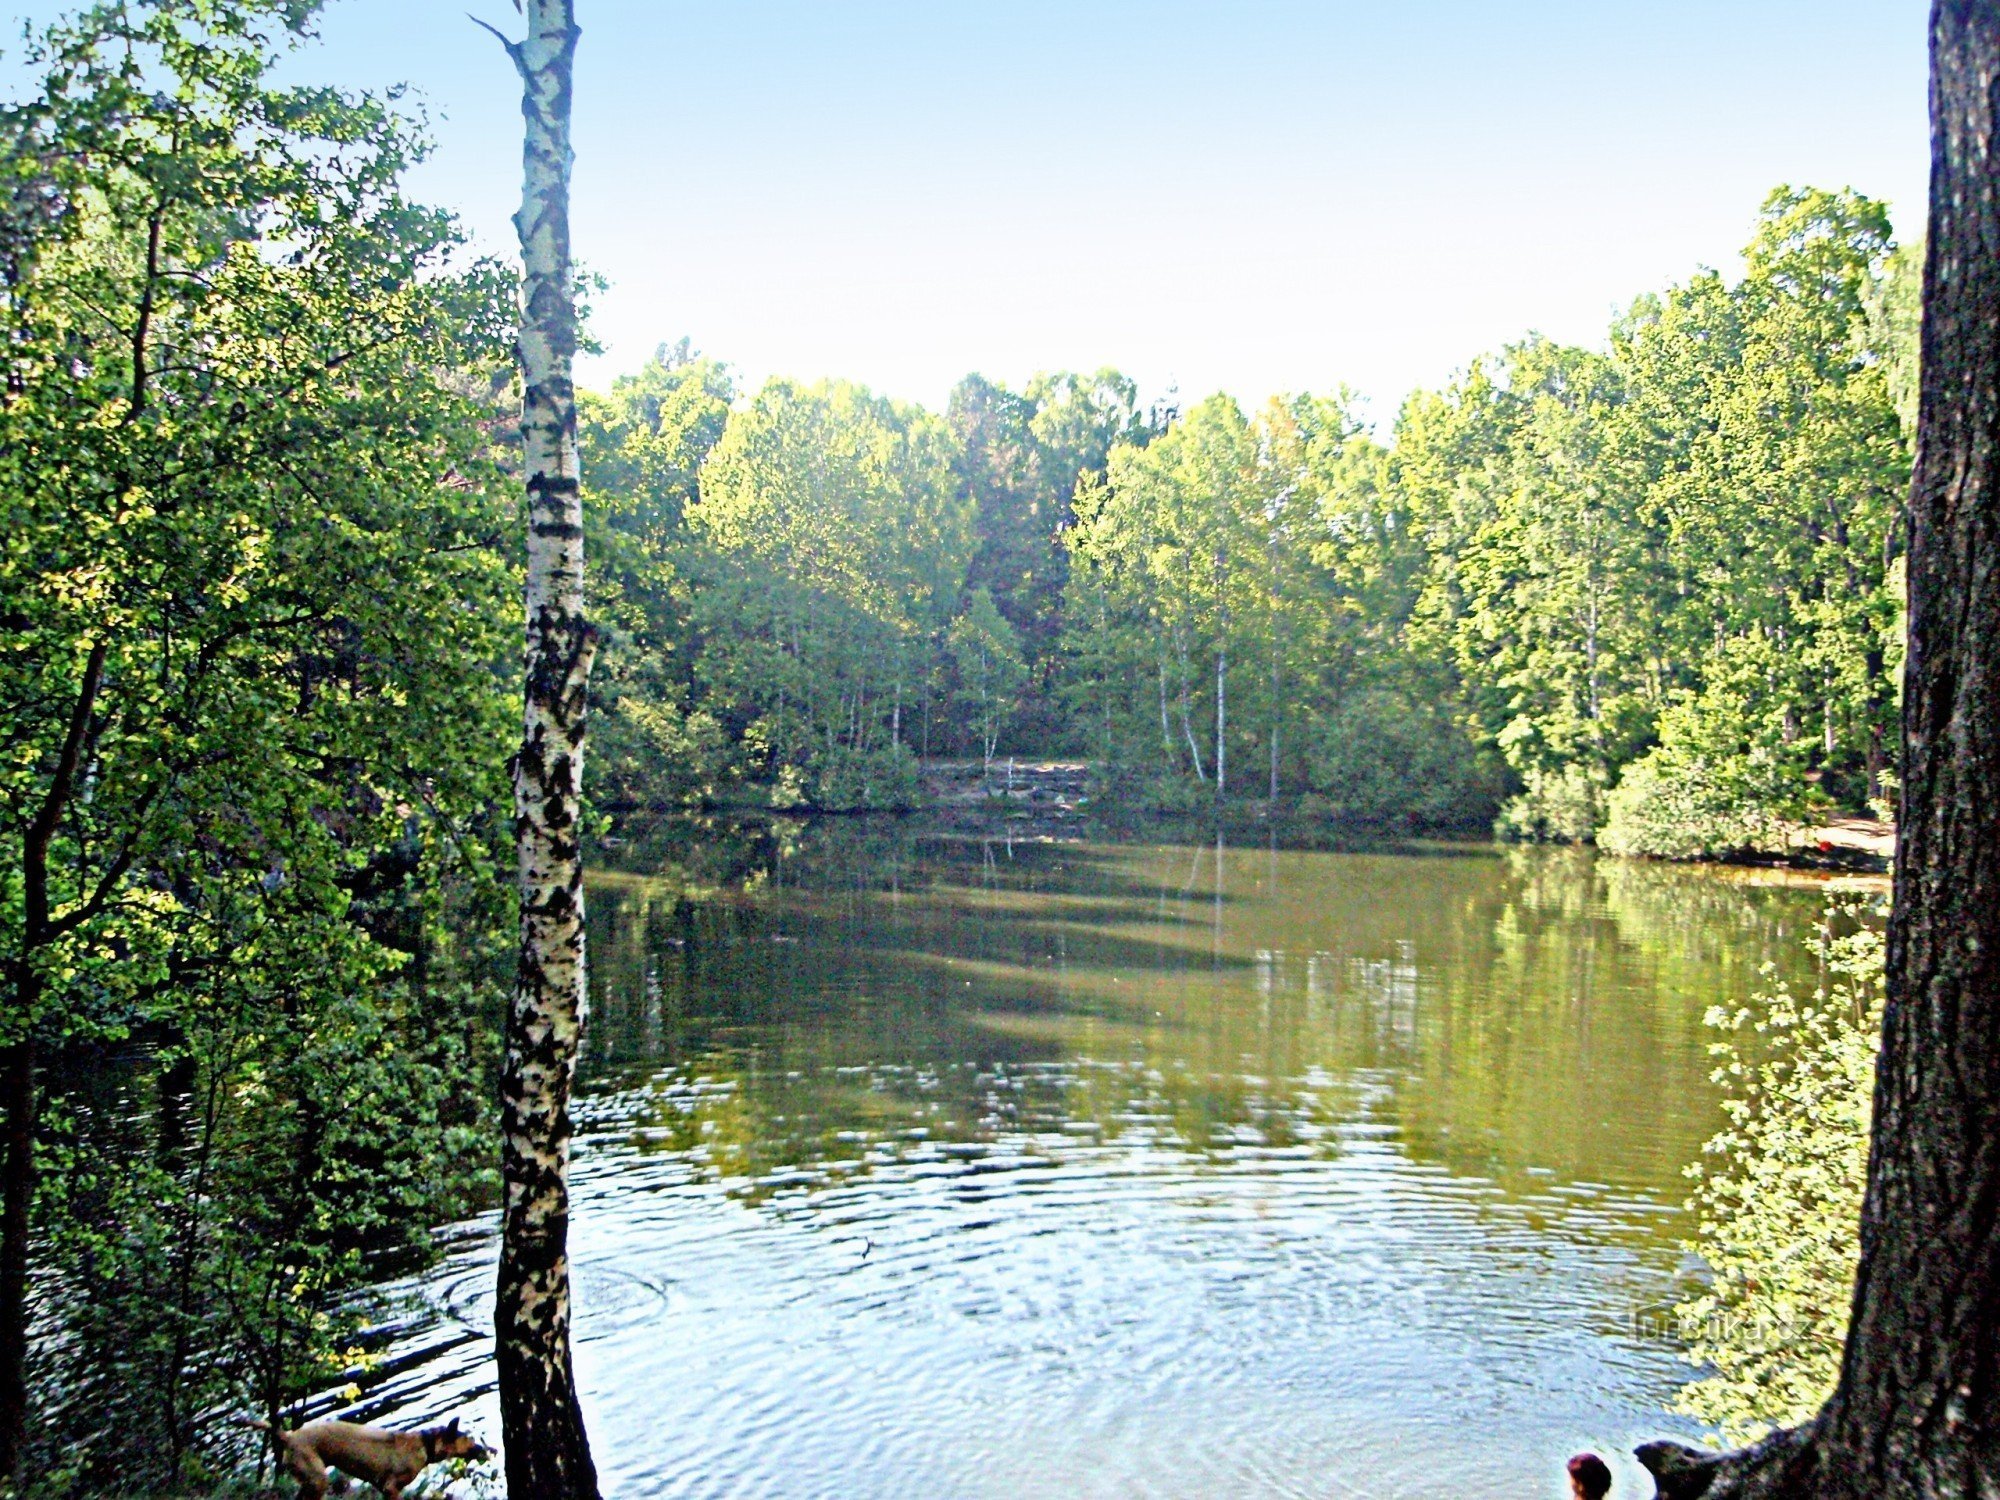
column 41, row 832
column 513, row 48
column 100, row 898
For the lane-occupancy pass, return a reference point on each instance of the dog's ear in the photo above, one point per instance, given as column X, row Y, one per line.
column 452, row 1427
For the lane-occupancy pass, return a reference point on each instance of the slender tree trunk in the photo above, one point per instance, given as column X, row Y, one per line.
column 1187, row 719
column 1277, row 721
column 1187, row 732
column 1917, row 1410
column 987, row 737
column 1221, row 720
column 548, row 1454
column 1277, row 674
column 1221, row 666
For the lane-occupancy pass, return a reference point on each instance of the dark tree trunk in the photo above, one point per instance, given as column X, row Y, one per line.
column 17, row 1080
column 1917, row 1409
column 20, row 1093
column 548, row 1454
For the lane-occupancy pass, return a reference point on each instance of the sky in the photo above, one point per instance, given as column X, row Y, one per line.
column 1243, row 195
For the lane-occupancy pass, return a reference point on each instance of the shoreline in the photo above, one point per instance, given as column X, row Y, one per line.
column 1046, row 797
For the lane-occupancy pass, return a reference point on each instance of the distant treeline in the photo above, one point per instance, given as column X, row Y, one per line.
column 1649, row 592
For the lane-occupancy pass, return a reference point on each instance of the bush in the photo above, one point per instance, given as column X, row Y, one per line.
column 1675, row 806
column 1780, row 1201
column 1555, row 807
column 1176, row 796
column 652, row 752
column 875, row 779
column 1382, row 757
column 1719, row 782
column 211, row 1211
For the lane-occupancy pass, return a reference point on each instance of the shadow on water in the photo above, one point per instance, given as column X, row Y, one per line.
column 918, row 1163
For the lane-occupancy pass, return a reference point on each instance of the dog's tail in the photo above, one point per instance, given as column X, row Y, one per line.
column 257, row 1423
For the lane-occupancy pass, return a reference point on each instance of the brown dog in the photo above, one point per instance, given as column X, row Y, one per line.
column 375, row 1455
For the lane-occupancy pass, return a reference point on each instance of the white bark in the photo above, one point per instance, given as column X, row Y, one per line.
column 1221, row 650
column 1221, row 716
column 547, row 1451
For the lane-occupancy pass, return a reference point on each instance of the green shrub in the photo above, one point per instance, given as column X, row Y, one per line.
column 1554, row 807
column 1381, row 756
column 1176, row 796
column 878, row 778
column 211, row 1210
column 1780, row 1198
column 652, row 752
column 1674, row 806
column 1722, row 780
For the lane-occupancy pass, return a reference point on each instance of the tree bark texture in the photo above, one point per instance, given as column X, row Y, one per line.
column 548, row 1453
column 1917, row 1409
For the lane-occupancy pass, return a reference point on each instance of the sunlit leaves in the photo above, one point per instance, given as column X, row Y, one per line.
column 246, row 450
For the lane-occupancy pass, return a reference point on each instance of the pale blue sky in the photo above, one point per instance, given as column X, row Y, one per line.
column 1250, row 195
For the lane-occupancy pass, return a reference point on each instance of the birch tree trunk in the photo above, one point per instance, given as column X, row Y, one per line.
column 1221, row 715
column 1221, row 655
column 548, row 1454
column 1916, row 1415
column 1278, row 637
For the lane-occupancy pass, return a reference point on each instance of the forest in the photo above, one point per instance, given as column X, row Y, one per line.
column 261, row 578
column 1647, row 593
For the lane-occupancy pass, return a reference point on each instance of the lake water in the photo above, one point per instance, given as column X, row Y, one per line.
column 917, row 1165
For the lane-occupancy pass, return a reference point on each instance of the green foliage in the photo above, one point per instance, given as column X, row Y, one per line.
column 245, row 449
column 1020, row 457
column 1380, row 756
column 1712, row 786
column 829, row 553
column 1780, row 1199
column 643, row 445
column 1562, row 805
column 882, row 776
column 301, row 1146
column 253, row 577
column 1895, row 309
column 1541, row 588
column 1688, row 542
column 986, row 654
column 650, row 750
column 1238, row 595
column 1676, row 806
column 801, row 594
column 1668, row 566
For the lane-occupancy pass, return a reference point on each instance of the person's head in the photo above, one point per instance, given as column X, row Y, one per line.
column 1589, row 1477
